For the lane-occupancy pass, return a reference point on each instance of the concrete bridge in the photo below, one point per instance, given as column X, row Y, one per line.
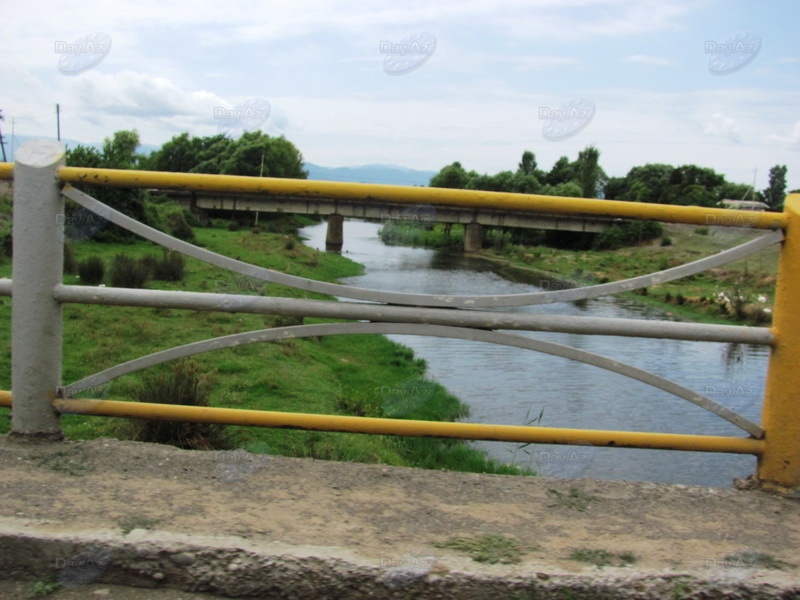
column 473, row 218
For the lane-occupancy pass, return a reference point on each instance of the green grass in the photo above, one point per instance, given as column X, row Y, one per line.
column 689, row 298
column 131, row 522
column 43, row 588
column 756, row 560
column 330, row 375
column 486, row 548
column 575, row 499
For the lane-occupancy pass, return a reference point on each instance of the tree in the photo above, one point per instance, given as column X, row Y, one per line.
column 562, row 172
column 119, row 152
column 734, row 191
column 776, row 192
column 257, row 154
column 638, row 192
column 452, row 176
column 655, row 177
column 589, row 171
column 528, row 164
column 615, row 188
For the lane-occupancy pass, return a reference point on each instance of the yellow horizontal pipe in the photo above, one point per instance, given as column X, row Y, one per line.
column 6, row 170
column 467, row 431
column 421, row 195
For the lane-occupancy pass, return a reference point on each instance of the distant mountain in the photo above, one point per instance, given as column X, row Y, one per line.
column 388, row 174
column 376, row 173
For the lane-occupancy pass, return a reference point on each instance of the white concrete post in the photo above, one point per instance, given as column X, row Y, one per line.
column 37, row 269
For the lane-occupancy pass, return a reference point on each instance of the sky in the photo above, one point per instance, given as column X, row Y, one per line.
column 421, row 84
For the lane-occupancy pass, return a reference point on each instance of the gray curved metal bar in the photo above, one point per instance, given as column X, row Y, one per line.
column 479, row 335
column 446, row 301
column 360, row 311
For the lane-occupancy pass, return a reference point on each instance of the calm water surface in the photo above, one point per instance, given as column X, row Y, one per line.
column 505, row 385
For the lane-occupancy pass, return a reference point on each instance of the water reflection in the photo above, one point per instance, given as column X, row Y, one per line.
column 507, row 385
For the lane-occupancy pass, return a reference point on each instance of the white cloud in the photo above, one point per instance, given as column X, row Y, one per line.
column 724, row 127
column 791, row 139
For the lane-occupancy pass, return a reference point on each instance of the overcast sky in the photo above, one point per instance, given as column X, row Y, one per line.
column 645, row 80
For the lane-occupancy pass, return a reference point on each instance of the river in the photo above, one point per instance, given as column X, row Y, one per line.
column 504, row 385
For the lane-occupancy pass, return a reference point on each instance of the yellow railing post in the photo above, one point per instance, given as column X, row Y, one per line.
column 779, row 466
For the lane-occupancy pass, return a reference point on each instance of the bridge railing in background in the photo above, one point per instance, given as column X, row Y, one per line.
column 41, row 181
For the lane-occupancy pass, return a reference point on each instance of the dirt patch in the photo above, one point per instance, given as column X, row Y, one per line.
column 385, row 519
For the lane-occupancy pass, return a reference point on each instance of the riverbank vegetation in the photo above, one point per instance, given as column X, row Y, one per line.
column 741, row 292
column 345, row 375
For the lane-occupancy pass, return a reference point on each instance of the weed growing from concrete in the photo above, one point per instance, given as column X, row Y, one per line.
column 132, row 522
column 487, row 548
column 576, row 499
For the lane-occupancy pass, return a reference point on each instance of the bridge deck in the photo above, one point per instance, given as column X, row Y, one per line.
column 392, row 211
column 302, row 528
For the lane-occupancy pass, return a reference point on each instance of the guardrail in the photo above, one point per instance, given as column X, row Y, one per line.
column 41, row 180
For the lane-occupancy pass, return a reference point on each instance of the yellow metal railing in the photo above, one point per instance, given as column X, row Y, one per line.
column 778, row 453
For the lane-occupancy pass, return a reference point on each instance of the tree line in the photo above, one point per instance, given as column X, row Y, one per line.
column 585, row 178
column 258, row 154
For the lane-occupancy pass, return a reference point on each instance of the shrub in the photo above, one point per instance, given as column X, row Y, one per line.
column 92, row 270
column 178, row 227
column 666, row 241
column 7, row 244
column 182, row 385
column 70, row 264
column 170, row 267
column 701, row 231
column 129, row 272
column 627, row 234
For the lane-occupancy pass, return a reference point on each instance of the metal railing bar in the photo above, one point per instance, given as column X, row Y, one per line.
column 478, row 335
column 445, row 301
column 326, row 309
column 371, row 192
column 405, row 427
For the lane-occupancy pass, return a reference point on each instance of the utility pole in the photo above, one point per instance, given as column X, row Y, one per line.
column 12, row 138
column 2, row 141
column 58, row 121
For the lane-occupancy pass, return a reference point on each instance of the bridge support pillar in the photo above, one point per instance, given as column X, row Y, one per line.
column 37, row 269
column 473, row 237
column 779, row 465
column 335, row 237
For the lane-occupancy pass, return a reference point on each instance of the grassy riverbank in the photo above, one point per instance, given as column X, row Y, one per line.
column 695, row 298
column 347, row 375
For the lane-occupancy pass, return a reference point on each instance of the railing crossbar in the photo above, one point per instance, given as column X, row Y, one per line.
column 445, row 301
column 478, row 335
